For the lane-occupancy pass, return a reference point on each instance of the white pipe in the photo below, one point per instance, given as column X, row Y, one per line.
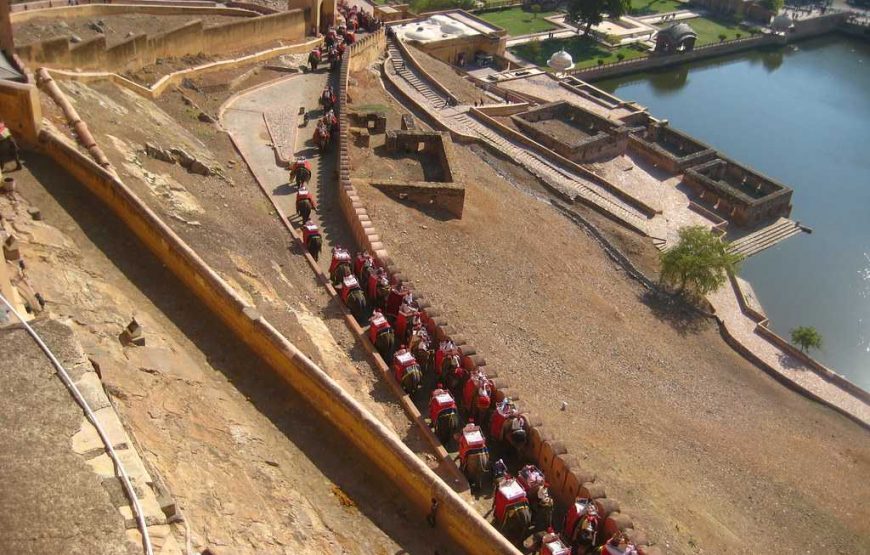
column 134, row 501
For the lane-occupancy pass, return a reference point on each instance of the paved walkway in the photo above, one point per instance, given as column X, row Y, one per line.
column 742, row 328
column 244, row 120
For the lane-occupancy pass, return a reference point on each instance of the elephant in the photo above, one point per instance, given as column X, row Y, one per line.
column 341, row 271
column 446, row 425
column 385, row 343
column 515, row 526
column 356, row 302
column 412, row 377
column 476, row 469
column 315, row 243
column 321, row 138
column 304, row 207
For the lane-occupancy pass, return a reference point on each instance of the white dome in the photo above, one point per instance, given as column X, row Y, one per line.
column 421, row 33
column 453, row 28
column 561, row 61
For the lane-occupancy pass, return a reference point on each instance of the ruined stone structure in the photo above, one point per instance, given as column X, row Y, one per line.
column 669, row 148
column 577, row 134
column 741, row 195
column 440, row 190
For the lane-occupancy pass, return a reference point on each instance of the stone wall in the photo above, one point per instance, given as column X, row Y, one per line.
column 21, row 110
column 663, row 60
column 447, row 196
column 605, row 139
column 739, row 194
column 142, row 50
column 657, row 143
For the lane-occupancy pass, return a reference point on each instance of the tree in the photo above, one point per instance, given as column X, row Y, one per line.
column 699, row 260
column 806, row 337
column 536, row 9
column 590, row 12
column 773, row 5
column 533, row 47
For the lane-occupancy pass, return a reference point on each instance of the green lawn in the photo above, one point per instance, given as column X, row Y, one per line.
column 518, row 22
column 585, row 51
column 647, row 7
column 709, row 30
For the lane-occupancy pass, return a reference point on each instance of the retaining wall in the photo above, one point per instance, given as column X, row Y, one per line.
column 362, row 429
column 652, row 62
column 189, row 39
column 173, row 79
column 20, row 109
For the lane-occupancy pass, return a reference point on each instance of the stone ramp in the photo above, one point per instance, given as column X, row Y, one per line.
column 283, row 126
column 764, row 238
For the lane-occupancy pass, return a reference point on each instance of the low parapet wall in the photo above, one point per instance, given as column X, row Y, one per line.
column 20, row 110
column 189, row 39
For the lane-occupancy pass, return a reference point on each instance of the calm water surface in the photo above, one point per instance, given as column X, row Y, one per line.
column 800, row 114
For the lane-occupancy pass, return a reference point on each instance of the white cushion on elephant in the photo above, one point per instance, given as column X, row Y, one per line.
column 511, row 490
column 379, row 320
column 444, row 398
column 405, row 358
column 350, row 282
column 557, row 548
column 474, row 437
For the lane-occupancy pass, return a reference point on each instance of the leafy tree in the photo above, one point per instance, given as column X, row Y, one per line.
column 699, row 260
column 536, row 9
column 591, row 12
column 722, row 37
column 773, row 5
column 533, row 47
column 806, row 337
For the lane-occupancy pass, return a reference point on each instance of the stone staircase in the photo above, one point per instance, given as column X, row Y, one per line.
column 572, row 185
column 765, row 237
column 562, row 179
column 409, row 74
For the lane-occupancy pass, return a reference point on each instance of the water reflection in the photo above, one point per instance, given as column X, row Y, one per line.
column 670, row 79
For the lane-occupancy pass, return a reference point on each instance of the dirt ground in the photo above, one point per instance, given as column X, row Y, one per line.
column 116, row 28
column 706, row 452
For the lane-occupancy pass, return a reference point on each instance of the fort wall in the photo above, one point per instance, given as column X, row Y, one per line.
column 142, row 50
column 20, row 109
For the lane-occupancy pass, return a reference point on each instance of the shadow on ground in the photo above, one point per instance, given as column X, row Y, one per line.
column 375, row 495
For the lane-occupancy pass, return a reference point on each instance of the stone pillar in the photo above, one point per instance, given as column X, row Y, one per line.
column 6, row 42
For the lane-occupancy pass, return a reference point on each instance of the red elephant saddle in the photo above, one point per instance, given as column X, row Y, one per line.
column 440, row 402
column 508, row 494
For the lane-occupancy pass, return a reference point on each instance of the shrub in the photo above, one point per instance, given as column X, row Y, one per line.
column 738, row 35
column 600, row 62
column 722, row 37
column 620, row 56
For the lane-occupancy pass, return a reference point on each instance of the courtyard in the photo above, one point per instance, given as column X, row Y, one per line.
column 585, row 51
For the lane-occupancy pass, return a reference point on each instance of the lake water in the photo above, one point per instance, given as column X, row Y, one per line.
column 801, row 115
